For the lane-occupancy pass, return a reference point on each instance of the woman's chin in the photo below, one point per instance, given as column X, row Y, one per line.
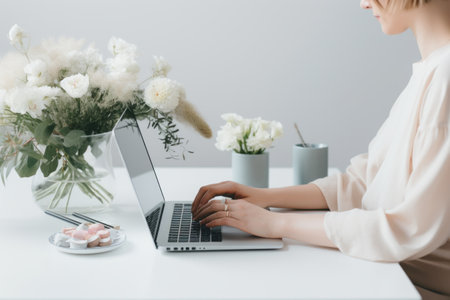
column 390, row 30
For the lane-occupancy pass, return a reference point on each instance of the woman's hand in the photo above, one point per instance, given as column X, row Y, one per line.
column 232, row 190
column 243, row 215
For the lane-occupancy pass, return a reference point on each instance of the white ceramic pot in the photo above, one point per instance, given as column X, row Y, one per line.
column 251, row 169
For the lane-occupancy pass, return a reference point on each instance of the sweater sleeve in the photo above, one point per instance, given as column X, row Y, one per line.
column 421, row 222
column 344, row 191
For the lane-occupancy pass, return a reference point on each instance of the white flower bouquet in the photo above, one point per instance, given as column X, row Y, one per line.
column 58, row 92
column 247, row 136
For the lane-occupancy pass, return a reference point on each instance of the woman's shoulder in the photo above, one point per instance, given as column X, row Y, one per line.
column 442, row 67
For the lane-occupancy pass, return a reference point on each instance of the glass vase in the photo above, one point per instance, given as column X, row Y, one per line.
column 84, row 183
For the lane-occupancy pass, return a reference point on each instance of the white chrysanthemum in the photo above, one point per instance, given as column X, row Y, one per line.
column 30, row 99
column 117, row 46
column 36, row 72
column 227, row 138
column 253, row 134
column 16, row 35
column 163, row 94
column 232, row 118
column 276, row 130
column 161, row 67
column 259, row 139
column 11, row 70
column 76, row 85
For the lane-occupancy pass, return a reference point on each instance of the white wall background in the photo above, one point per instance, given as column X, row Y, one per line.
column 324, row 64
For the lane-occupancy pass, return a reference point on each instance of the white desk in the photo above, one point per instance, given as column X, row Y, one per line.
column 30, row 268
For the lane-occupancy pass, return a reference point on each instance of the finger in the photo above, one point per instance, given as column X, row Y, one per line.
column 208, row 192
column 213, row 216
column 227, row 221
column 210, row 207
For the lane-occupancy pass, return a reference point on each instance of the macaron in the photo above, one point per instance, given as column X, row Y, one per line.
column 95, row 227
column 78, row 244
column 105, row 242
column 83, row 226
column 93, row 241
column 103, row 234
column 80, row 234
column 61, row 240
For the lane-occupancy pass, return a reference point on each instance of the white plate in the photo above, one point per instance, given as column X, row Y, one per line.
column 119, row 241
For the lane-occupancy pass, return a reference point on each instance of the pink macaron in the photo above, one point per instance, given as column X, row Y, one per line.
column 104, row 234
column 80, row 234
column 94, row 228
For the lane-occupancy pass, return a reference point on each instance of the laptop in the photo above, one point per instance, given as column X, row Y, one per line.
column 170, row 223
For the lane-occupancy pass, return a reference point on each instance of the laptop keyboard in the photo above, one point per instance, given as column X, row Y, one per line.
column 185, row 230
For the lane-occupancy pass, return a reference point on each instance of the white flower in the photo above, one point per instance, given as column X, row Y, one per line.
column 259, row 139
column 11, row 70
column 57, row 54
column 163, row 94
column 226, row 138
column 36, row 72
column 276, row 130
column 123, row 63
column 16, row 35
column 247, row 135
column 31, row 99
column 81, row 61
column 76, row 85
column 161, row 67
column 117, row 46
column 232, row 118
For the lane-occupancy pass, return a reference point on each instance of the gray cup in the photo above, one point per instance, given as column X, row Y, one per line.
column 309, row 163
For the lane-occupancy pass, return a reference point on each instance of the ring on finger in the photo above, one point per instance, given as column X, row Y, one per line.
column 228, row 213
column 226, row 207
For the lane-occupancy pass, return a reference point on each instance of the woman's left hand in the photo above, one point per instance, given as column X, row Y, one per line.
column 243, row 215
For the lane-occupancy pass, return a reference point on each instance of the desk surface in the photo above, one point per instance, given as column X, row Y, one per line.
column 30, row 268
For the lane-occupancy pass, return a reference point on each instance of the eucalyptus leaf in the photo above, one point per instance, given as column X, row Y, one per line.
column 49, row 167
column 27, row 166
column 71, row 150
column 29, row 151
column 50, row 152
column 43, row 131
column 74, row 138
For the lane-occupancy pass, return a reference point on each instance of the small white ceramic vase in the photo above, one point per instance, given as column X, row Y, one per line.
column 251, row 169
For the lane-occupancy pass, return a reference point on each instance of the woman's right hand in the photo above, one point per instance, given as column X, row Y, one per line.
column 233, row 190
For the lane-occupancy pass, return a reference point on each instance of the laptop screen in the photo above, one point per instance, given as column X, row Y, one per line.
column 140, row 168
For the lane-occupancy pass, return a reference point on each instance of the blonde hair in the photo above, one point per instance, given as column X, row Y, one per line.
column 401, row 4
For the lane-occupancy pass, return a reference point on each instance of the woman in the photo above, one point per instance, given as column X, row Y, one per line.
column 393, row 203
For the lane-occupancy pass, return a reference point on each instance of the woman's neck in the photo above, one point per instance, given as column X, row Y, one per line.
column 431, row 26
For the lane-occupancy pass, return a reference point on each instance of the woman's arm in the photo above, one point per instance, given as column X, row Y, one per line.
column 307, row 228
column 306, row 196
column 248, row 217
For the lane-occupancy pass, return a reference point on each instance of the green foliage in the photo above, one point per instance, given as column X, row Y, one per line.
column 43, row 131
column 57, row 140
column 28, row 161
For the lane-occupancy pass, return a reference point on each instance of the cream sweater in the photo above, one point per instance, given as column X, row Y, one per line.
column 393, row 203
